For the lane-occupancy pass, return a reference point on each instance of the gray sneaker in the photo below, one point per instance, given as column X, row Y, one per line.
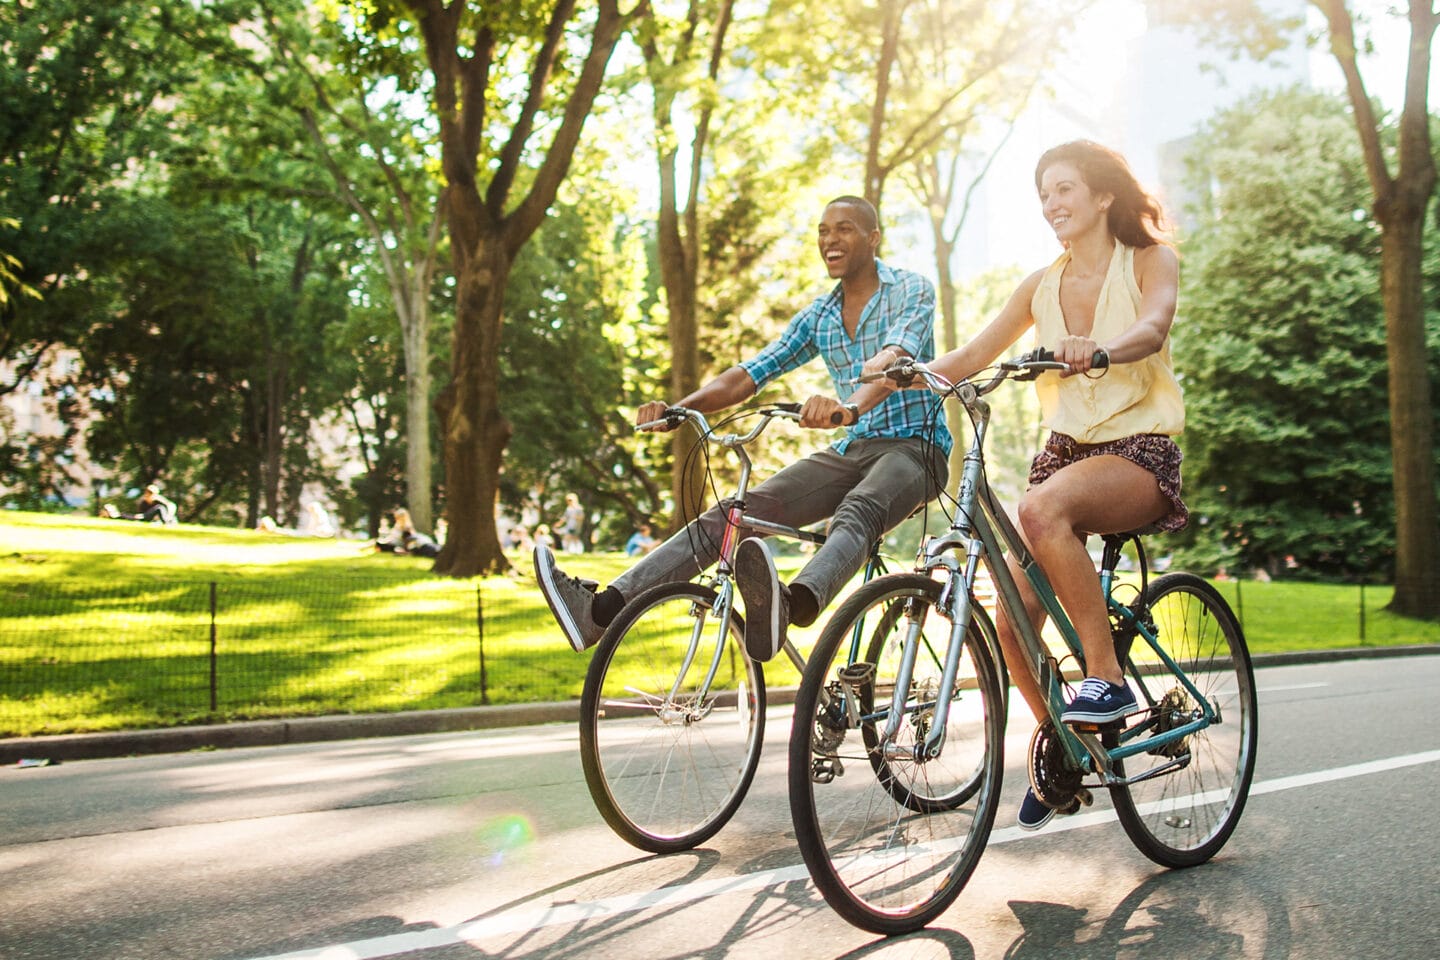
column 767, row 611
column 570, row 599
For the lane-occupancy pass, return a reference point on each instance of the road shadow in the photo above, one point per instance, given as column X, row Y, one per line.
column 1208, row 912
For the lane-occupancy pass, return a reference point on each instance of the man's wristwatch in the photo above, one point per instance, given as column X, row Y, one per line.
column 854, row 410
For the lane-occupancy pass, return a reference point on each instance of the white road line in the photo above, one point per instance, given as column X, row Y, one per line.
column 477, row 931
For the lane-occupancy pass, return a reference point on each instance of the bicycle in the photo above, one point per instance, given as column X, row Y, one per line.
column 668, row 758
column 890, row 864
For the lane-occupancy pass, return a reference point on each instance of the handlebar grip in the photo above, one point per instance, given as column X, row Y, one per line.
column 1100, row 360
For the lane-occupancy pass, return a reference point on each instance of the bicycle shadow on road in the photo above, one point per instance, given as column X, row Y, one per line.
column 369, row 931
column 1204, row 912
column 580, row 916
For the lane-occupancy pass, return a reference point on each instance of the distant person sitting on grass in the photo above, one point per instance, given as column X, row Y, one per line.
column 150, row 508
column 641, row 541
column 404, row 538
column 314, row 522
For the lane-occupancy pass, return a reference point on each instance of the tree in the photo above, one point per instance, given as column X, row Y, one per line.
column 495, row 203
column 82, row 84
column 674, row 51
column 1402, row 182
column 352, row 97
column 1281, row 347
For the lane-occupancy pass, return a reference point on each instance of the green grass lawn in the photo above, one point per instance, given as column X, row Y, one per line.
column 108, row 625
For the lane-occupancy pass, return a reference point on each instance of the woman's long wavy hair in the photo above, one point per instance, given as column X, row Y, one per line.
column 1135, row 218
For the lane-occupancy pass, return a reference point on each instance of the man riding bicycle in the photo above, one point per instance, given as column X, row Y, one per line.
column 891, row 460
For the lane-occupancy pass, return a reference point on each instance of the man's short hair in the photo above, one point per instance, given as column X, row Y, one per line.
column 869, row 217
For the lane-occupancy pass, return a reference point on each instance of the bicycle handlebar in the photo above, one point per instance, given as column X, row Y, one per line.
column 674, row 416
column 1027, row 366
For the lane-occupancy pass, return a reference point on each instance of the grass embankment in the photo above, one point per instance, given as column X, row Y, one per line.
column 322, row 626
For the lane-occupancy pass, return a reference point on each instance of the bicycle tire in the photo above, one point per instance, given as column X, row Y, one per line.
column 667, row 771
column 883, row 864
column 1183, row 817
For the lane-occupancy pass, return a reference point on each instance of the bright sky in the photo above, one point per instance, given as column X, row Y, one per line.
column 1094, row 100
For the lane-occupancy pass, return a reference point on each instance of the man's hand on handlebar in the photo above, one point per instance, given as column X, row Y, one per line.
column 823, row 413
column 874, row 369
column 650, row 412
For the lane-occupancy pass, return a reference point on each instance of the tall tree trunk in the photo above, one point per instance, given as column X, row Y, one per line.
column 679, row 242
column 1412, row 422
column 414, row 315
column 475, row 431
column 1401, row 202
column 678, row 254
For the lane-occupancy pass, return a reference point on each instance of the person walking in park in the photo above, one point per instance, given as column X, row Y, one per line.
column 572, row 525
column 891, row 459
column 1110, row 464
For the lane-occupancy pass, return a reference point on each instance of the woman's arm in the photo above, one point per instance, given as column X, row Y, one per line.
column 1157, row 270
column 1009, row 324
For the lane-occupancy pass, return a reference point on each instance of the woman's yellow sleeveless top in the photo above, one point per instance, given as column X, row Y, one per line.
column 1131, row 398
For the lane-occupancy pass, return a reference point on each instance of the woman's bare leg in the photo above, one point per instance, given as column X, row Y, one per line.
column 1099, row 495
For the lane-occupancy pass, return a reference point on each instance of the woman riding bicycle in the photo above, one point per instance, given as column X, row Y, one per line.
column 1110, row 464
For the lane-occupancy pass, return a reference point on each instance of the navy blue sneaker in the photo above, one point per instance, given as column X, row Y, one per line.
column 1035, row 813
column 1100, row 701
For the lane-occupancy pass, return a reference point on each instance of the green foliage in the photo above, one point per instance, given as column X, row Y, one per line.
column 1280, row 345
column 563, row 381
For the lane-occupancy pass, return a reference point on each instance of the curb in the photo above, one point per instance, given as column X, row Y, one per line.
column 266, row 733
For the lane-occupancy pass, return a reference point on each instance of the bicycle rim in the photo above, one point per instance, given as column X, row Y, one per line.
column 666, row 766
column 1183, row 817
column 891, row 841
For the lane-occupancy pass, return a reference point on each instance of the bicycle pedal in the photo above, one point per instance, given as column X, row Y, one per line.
column 1084, row 797
column 825, row 770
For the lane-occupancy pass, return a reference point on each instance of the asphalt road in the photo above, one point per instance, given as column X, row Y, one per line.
column 485, row 844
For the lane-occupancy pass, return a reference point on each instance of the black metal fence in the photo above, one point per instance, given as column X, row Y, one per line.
column 83, row 656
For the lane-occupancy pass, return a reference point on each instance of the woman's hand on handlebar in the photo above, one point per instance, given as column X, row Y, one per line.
column 1078, row 352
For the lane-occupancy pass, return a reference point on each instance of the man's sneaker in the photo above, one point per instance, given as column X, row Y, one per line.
column 571, row 600
column 1100, row 701
column 767, row 612
column 1035, row 813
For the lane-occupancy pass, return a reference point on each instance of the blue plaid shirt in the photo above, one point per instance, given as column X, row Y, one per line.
column 901, row 314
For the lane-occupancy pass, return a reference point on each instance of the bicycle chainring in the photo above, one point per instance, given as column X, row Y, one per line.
column 829, row 726
column 1055, row 780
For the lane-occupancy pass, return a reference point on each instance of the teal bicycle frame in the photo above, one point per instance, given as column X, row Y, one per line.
column 982, row 530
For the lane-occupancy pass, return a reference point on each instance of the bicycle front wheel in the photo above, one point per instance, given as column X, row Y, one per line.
column 1183, row 817
column 890, row 839
column 668, row 758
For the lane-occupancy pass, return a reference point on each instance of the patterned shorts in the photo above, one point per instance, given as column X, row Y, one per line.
column 1151, row 451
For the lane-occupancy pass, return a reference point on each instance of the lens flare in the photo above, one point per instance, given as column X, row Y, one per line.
column 504, row 835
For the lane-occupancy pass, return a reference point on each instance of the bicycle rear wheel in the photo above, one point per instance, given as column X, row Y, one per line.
column 1183, row 817
column 667, row 763
column 891, row 840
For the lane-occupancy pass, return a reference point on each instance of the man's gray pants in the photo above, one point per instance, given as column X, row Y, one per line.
column 866, row 491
